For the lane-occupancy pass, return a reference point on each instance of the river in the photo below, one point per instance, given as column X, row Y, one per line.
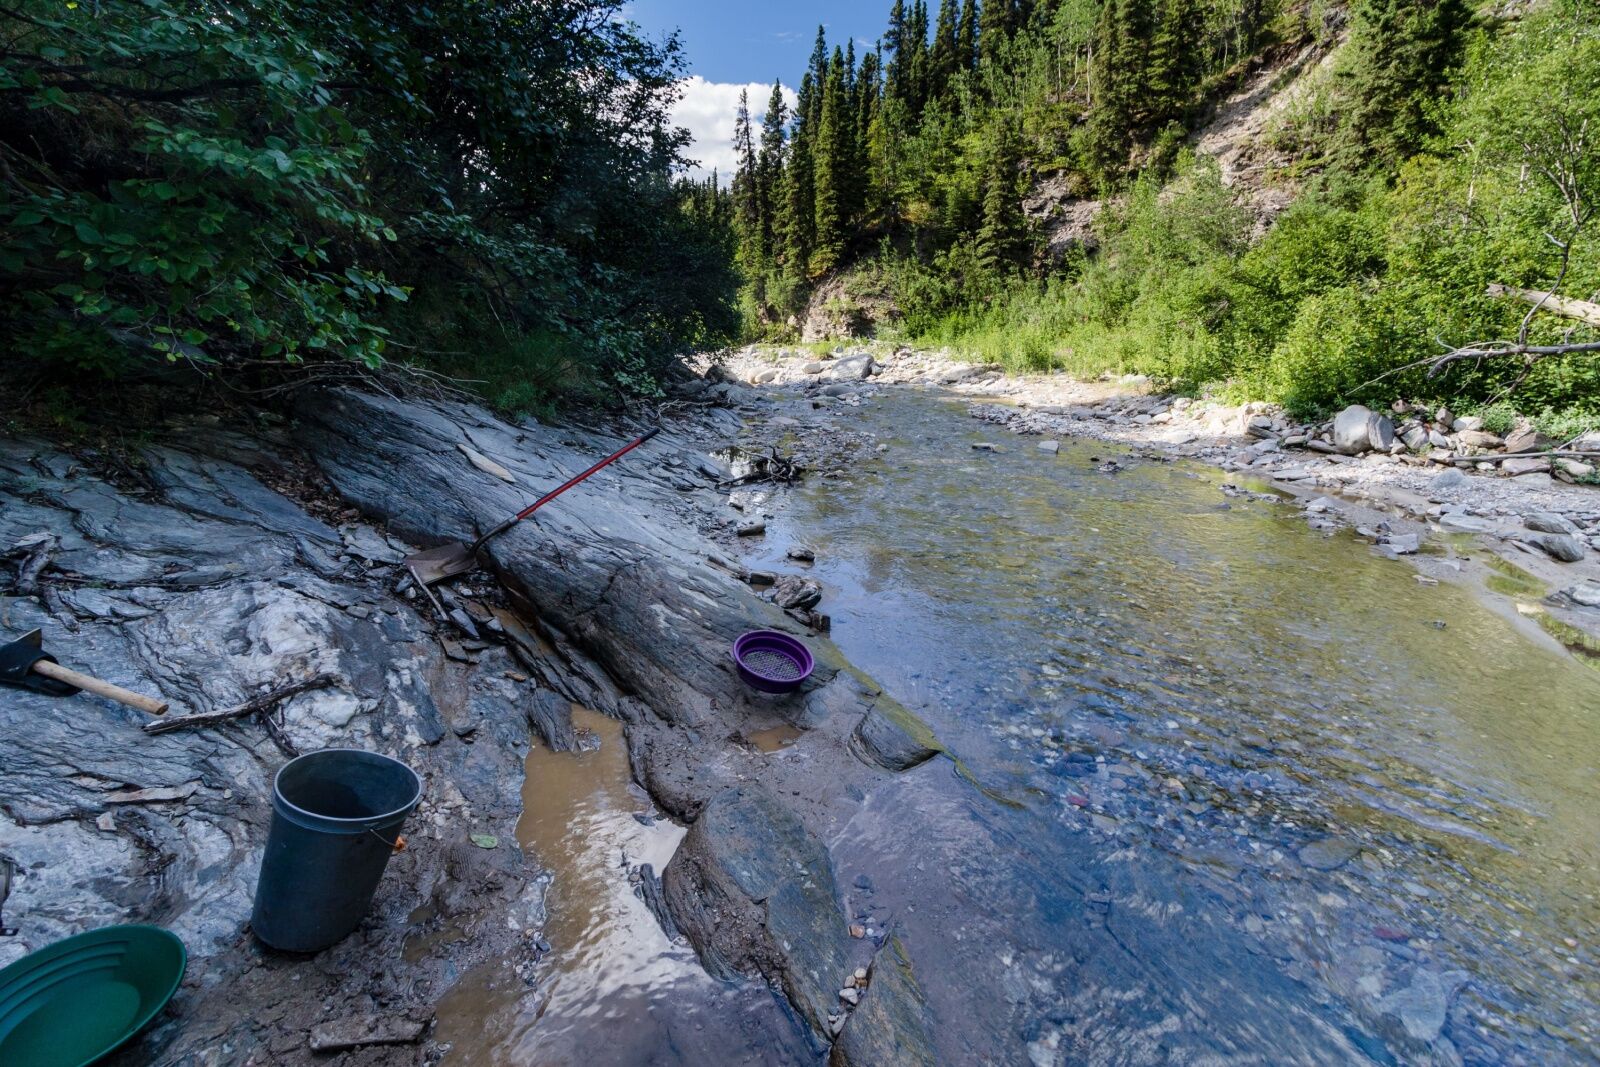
column 1229, row 788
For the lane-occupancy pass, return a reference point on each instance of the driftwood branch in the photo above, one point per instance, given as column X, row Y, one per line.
column 1559, row 453
column 1582, row 310
column 264, row 702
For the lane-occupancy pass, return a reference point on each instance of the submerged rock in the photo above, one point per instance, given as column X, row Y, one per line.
column 893, row 737
column 1329, row 854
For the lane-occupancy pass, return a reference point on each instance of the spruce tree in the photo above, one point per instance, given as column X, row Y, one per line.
column 945, row 61
column 967, row 36
column 799, row 198
column 1002, row 236
column 769, row 174
column 744, row 178
column 831, row 162
column 1403, row 51
column 894, row 42
column 1121, row 99
column 994, row 27
column 1174, row 62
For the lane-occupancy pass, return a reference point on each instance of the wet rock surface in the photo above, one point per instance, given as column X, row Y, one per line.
column 207, row 587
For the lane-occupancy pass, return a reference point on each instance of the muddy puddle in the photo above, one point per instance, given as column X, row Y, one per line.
column 612, row 989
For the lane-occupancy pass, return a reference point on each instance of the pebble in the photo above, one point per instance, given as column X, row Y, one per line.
column 1051, row 447
column 752, row 529
column 850, row 995
column 857, row 931
column 1328, row 854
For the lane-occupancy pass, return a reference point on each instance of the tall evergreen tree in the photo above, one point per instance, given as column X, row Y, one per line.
column 1118, row 84
column 798, row 192
column 1404, row 49
column 945, row 60
column 994, row 26
column 745, row 194
column 769, row 174
column 1002, row 236
column 967, row 36
column 919, row 58
column 1174, row 61
column 832, row 162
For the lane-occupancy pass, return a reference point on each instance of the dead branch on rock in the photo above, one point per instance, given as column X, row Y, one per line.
column 255, row 705
column 768, row 468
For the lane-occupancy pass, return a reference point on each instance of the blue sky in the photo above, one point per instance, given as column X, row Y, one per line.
column 731, row 46
column 755, row 42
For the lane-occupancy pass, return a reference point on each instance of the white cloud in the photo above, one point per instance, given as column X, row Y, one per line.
column 706, row 110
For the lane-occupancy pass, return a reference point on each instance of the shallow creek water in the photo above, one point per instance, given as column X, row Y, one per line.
column 1250, row 793
column 1158, row 671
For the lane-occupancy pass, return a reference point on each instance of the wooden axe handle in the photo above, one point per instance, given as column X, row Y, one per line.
column 99, row 688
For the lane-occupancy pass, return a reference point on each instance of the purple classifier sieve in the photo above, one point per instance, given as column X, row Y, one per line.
column 772, row 662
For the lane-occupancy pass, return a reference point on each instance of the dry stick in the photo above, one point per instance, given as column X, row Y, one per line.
column 1497, row 457
column 261, row 703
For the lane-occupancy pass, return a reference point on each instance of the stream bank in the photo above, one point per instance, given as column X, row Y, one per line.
column 971, row 802
column 182, row 570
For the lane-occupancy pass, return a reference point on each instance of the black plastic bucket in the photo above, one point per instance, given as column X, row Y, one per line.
column 335, row 817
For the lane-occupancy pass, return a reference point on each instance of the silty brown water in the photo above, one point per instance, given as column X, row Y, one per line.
column 614, row 989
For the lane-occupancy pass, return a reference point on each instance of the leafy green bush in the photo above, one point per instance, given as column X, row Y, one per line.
column 221, row 182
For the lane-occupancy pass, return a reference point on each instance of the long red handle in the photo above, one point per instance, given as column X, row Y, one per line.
column 552, row 494
column 542, row 501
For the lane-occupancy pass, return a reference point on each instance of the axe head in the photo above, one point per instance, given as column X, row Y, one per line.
column 16, row 667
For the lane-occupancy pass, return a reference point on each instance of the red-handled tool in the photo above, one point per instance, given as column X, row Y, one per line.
column 447, row 561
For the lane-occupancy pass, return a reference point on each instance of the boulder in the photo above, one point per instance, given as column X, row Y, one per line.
column 1549, row 522
column 1479, row 439
column 849, row 369
column 1459, row 523
column 1526, row 439
column 1356, row 429
column 794, row 591
column 1562, row 547
column 1526, row 465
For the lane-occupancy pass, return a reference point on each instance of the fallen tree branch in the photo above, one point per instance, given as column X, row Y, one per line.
column 1488, row 350
column 264, row 702
column 1582, row 310
column 1497, row 457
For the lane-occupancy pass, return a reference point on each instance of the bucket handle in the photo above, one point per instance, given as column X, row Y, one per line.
column 397, row 845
